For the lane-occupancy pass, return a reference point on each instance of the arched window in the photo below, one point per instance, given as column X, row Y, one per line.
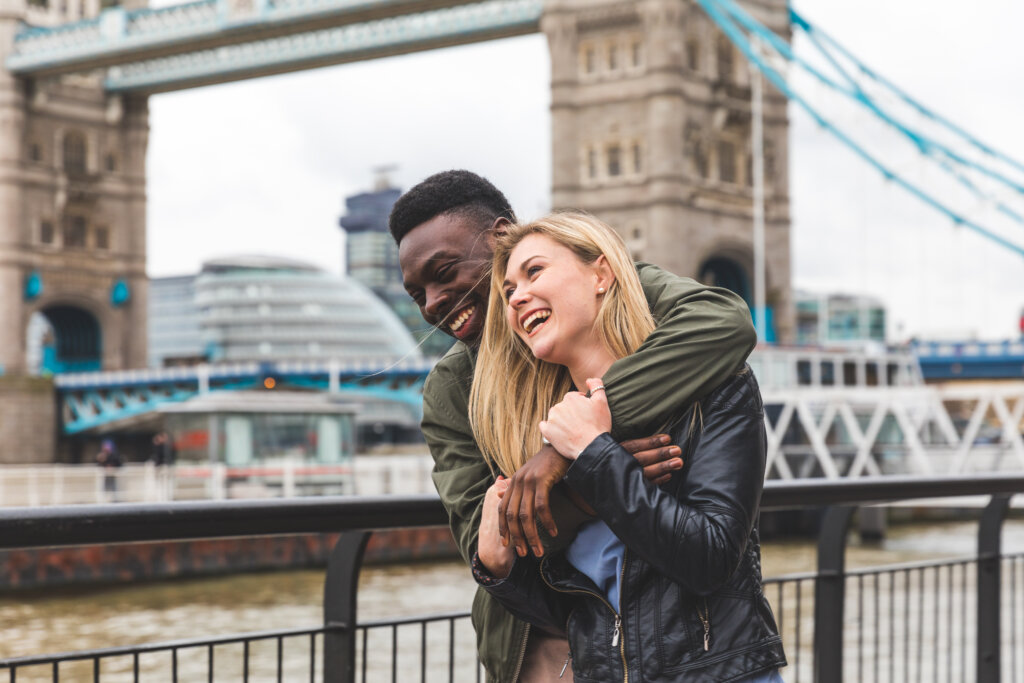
column 74, row 152
column 724, row 54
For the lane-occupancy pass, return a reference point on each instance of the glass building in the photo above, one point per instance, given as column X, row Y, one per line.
column 258, row 308
column 371, row 257
column 839, row 319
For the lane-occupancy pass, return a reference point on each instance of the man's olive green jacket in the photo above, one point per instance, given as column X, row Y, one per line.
column 704, row 335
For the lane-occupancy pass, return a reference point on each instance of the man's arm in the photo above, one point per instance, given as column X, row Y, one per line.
column 461, row 474
column 703, row 336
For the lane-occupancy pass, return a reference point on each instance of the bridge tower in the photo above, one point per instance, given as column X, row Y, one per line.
column 72, row 212
column 651, row 132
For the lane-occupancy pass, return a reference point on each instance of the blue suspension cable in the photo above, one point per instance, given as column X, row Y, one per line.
column 925, row 145
column 896, row 90
column 714, row 11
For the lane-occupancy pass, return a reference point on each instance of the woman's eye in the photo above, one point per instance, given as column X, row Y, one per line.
column 533, row 270
column 509, row 292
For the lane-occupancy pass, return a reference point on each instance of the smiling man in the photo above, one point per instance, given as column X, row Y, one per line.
column 445, row 228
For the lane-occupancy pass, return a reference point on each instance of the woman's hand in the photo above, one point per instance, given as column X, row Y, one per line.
column 494, row 553
column 577, row 420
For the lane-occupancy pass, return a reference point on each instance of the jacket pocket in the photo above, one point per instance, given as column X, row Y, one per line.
column 677, row 629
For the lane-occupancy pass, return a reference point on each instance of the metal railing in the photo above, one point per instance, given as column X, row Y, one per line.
column 896, row 623
column 364, row 475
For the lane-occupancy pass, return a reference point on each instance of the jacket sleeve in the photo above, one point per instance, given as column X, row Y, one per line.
column 525, row 596
column 703, row 336
column 461, row 474
column 697, row 534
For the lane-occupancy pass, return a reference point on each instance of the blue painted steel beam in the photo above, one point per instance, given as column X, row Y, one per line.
column 92, row 400
column 202, row 43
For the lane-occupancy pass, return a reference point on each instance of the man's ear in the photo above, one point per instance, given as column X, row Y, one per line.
column 498, row 228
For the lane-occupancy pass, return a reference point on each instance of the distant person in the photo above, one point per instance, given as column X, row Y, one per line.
column 445, row 228
column 163, row 456
column 110, row 460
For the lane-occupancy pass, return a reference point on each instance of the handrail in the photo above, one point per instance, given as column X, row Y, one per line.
column 127, row 523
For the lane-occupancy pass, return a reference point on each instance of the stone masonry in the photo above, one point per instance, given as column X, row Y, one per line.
column 651, row 132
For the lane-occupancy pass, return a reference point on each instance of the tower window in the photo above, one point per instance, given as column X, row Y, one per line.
column 614, row 160
column 638, row 53
column 726, row 161
column 592, row 162
column 102, row 237
column 724, row 53
column 74, row 231
column 46, row 234
column 693, row 53
column 638, row 160
column 589, row 60
column 110, row 162
column 613, row 57
column 74, row 152
column 35, row 153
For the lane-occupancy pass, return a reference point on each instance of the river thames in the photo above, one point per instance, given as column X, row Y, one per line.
column 75, row 619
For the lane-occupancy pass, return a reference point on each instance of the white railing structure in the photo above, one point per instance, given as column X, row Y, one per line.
column 785, row 368
column 35, row 485
column 925, row 430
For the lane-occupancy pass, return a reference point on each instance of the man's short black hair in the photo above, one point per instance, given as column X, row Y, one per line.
column 449, row 192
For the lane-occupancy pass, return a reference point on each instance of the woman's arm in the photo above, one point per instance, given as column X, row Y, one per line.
column 697, row 536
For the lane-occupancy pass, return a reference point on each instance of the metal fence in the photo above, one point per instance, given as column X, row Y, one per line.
column 960, row 619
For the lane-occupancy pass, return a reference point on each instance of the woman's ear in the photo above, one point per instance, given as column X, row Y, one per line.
column 604, row 277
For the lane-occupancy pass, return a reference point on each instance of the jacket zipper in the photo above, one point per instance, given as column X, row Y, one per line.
column 617, row 634
column 522, row 654
column 705, row 619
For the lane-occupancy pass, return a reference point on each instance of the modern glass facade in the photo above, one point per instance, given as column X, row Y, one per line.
column 839, row 319
column 372, row 259
column 270, row 309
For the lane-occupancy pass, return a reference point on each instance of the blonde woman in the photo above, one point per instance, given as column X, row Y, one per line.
column 665, row 584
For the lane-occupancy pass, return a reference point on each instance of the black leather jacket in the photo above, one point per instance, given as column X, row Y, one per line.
column 692, row 604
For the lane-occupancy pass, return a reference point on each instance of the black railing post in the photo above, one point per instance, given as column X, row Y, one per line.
column 829, row 595
column 990, row 531
column 340, row 587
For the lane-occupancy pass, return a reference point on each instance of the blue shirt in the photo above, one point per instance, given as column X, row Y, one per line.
column 599, row 554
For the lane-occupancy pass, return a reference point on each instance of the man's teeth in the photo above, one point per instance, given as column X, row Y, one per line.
column 457, row 323
column 535, row 318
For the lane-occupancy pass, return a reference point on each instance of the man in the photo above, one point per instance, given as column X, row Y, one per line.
column 445, row 229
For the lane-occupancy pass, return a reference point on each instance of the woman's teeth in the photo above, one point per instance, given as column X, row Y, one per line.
column 535, row 319
column 462, row 317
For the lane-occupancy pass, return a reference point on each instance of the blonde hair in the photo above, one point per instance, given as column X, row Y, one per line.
column 512, row 390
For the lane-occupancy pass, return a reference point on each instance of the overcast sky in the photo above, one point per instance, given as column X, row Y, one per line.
column 263, row 166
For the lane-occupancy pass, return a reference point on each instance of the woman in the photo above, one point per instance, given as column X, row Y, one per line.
column 665, row 585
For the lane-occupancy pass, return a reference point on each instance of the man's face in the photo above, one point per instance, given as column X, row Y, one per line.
column 445, row 268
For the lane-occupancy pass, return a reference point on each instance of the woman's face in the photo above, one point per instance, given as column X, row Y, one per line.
column 553, row 299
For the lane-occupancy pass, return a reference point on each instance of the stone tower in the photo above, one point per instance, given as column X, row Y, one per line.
column 651, row 132
column 72, row 211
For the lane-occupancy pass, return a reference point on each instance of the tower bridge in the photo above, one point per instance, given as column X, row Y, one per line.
column 652, row 120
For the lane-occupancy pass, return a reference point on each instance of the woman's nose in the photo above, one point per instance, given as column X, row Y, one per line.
column 518, row 298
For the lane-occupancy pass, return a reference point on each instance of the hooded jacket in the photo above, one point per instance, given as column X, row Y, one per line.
column 703, row 336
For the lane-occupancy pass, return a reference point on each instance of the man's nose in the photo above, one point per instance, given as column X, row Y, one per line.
column 436, row 300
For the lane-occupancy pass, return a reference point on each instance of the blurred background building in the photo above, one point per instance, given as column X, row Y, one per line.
column 371, row 257
column 839, row 320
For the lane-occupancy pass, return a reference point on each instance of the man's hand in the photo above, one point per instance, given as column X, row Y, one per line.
column 656, row 456
column 525, row 503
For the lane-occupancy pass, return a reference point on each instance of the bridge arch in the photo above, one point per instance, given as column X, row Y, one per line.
column 64, row 337
column 732, row 266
